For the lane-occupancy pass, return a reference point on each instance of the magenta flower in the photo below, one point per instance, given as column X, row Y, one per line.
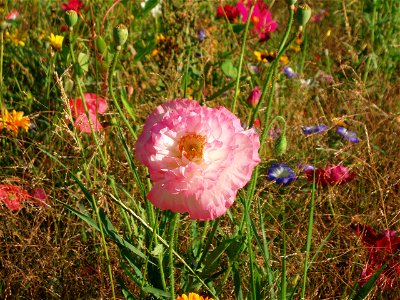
column 254, row 96
column 95, row 105
column 12, row 196
column 72, row 5
column 381, row 248
column 198, row 157
column 330, row 175
column 39, row 196
column 261, row 18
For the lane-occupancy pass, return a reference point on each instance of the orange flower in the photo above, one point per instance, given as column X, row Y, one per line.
column 14, row 120
column 192, row 296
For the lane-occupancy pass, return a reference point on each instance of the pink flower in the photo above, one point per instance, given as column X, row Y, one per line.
column 95, row 105
column 198, row 157
column 330, row 175
column 12, row 196
column 72, row 5
column 12, row 15
column 319, row 16
column 39, row 195
column 381, row 248
column 261, row 18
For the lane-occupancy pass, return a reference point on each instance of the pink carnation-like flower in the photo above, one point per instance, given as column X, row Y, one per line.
column 198, row 157
column 330, row 175
column 261, row 18
column 95, row 105
column 12, row 196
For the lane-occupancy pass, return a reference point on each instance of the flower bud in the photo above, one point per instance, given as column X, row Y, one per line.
column 254, row 97
column 100, row 44
column 71, row 17
column 281, row 145
column 303, row 14
column 120, row 35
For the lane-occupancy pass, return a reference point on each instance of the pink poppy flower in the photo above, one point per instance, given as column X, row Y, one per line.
column 198, row 157
column 261, row 18
column 72, row 5
column 381, row 248
column 12, row 15
column 254, row 96
column 40, row 196
column 230, row 11
column 319, row 16
column 330, row 175
column 12, row 196
column 95, row 105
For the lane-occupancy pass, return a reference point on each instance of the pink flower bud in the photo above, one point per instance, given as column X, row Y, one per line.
column 254, row 96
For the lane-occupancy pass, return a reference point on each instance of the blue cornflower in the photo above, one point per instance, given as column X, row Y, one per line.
column 347, row 134
column 289, row 72
column 281, row 174
column 314, row 128
column 201, row 35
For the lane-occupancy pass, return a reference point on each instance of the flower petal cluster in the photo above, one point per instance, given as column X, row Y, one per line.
column 198, row 157
column 95, row 105
column 12, row 196
column 314, row 128
column 13, row 121
column 231, row 12
column 281, row 174
column 12, row 15
column 72, row 5
column 261, row 18
column 330, row 175
column 347, row 134
column 381, row 248
column 56, row 41
column 192, row 296
column 254, row 96
column 39, row 195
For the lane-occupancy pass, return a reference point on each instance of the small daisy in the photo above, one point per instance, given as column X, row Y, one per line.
column 281, row 174
column 347, row 134
column 314, row 129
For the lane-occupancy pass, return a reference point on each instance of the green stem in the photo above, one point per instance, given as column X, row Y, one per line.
column 80, row 91
column 1, row 69
column 368, row 63
column 309, row 236
column 233, row 108
column 111, row 90
column 304, row 50
column 173, row 223
column 284, row 262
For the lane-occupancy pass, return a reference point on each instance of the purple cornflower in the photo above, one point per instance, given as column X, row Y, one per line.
column 281, row 174
column 201, row 35
column 347, row 134
column 314, row 128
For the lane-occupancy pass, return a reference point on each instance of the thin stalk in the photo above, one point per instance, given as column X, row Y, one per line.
column 246, row 30
column 309, row 236
column 304, row 50
column 96, row 209
column 253, row 286
column 173, row 223
column 284, row 262
column 2, row 106
column 372, row 41
column 111, row 90
column 80, row 91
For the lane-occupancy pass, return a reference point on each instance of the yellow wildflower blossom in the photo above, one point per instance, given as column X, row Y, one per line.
column 284, row 59
column 56, row 41
column 14, row 120
column 265, row 56
column 16, row 38
column 192, row 296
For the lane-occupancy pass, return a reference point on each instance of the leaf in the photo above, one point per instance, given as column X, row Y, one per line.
column 83, row 61
column 83, row 217
column 156, row 292
column 229, row 69
column 212, row 260
column 238, row 27
column 150, row 4
column 158, row 250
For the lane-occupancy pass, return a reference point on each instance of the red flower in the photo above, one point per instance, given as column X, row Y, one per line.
column 330, row 175
column 230, row 11
column 39, row 195
column 72, row 5
column 381, row 248
column 12, row 15
column 95, row 105
column 12, row 196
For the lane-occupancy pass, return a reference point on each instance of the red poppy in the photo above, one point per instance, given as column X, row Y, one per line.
column 72, row 5
column 381, row 249
column 330, row 175
column 230, row 11
column 12, row 196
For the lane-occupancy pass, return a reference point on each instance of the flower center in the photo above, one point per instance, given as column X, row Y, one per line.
column 191, row 146
column 255, row 19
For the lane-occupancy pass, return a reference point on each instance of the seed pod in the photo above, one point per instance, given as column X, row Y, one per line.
column 281, row 145
column 303, row 14
column 71, row 17
column 100, row 44
column 120, row 34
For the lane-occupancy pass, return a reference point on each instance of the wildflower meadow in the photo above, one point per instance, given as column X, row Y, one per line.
column 200, row 150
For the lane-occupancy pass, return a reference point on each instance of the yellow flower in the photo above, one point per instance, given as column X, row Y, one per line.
column 14, row 120
column 284, row 59
column 192, row 296
column 265, row 56
column 56, row 41
column 16, row 38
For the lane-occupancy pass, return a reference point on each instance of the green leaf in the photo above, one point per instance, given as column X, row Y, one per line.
column 158, row 250
column 83, row 217
column 229, row 69
column 150, row 4
column 83, row 61
column 238, row 27
column 212, row 260
column 156, row 292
